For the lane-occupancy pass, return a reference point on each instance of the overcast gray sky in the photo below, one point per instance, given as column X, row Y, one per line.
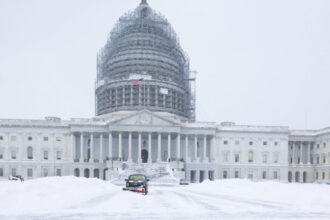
column 259, row 62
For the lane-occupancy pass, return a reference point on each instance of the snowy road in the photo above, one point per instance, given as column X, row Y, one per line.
column 74, row 198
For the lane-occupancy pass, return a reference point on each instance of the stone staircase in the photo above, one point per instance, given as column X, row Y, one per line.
column 156, row 172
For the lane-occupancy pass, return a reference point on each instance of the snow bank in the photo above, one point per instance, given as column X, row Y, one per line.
column 81, row 198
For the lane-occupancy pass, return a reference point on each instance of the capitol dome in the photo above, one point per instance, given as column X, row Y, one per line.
column 142, row 66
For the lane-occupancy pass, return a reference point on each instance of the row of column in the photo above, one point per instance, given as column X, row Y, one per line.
column 178, row 146
column 300, row 145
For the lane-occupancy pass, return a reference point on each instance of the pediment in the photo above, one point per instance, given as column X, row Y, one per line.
column 144, row 118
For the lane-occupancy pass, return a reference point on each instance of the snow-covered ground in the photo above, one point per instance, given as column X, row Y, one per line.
column 80, row 198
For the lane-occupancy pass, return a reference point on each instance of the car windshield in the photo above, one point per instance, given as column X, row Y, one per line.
column 136, row 177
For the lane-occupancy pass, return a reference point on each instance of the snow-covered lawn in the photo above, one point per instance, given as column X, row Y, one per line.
column 80, row 198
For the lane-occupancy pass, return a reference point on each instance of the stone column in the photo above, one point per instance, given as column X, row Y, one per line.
column 91, row 159
column 178, row 146
column 73, row 147
column 120, row 145
column 123, row 95
column 186, row 150
column 149, row 148
column 110, row 146
column 212, row 149
column 148, row 95
column 301, row 152
column 81, row 159
column 156, row 95
column 159, row 147
column 293, row 154
column 195, row 148
column 139, row 95
column 164, row 101
column 309, row 153
column 168, row 146
column 101, row 148
column 139, row 149
column 129, row 147
column 204, row 148
column 131, row 91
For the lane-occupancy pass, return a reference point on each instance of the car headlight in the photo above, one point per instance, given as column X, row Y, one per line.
column 127, row 184
column 144, row 185
column 140, row 181
column 130, row 181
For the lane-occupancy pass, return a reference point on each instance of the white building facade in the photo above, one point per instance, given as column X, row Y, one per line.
column 98, row 147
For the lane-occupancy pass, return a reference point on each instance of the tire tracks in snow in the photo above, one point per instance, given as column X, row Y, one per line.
column 260, row 203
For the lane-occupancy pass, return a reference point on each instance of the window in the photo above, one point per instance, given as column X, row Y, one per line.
column 323, row 159
column 13, row 154
column 264, row 143
column 30, row 138
column 1, row 138
column 45, row 155
column 13, row 138
column 225, row 156
column 29, row 153
column 275, row 174
column 236, row 174
column 317, row 175
column 264, row 174
column 276, row 158
column 45, row 172
column 324, row 145
column 323, row 175
column 13, row 171
column 275, row 143
column 317, row 160
column 250, row 156
column 225, row 174
column 58, row 172
column 264, row 158
column 58, row 138
column 225, row 142
column 1, row 171
column 1, row 154
column 236, row 158
column 58, row 155
column 251, row 143
column 250, row 176
column 45, row 138
column 318, row 146
column 29, row 172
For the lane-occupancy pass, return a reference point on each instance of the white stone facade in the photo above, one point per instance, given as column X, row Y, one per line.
column 194, row 151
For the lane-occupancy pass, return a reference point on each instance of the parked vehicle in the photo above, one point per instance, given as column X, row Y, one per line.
column 16, row 178
column 137, row 183
column 183, row 182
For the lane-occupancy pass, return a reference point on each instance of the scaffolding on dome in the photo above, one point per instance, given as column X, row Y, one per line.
column 143, row 45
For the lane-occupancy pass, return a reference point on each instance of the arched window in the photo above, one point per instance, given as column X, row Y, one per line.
column 77, row 172
column 250, row 156
column 29, row 153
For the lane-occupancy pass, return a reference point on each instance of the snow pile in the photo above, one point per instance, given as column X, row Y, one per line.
column 81, row 198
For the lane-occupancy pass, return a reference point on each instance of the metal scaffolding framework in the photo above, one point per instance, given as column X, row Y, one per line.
column 142, row 66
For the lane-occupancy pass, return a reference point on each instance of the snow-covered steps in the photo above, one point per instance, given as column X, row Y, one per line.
column 156, row 172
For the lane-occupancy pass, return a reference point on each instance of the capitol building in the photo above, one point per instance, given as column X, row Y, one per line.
column 145, row 118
